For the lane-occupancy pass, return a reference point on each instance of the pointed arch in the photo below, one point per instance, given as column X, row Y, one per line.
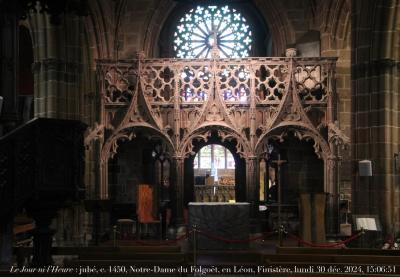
column 224, row 131
column 335, row 20
column 282, row 31
column 110, row 146
column 302, row 132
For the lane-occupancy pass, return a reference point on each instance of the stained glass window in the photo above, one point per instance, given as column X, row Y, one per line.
column 201, row 27
column 216, row 155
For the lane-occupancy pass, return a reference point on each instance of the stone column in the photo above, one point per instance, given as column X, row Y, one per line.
column 58, row 66
column 251, row 184
column 102, row 192
column 178, row 176
column 375, row 108
column 332, row 200
column 8, row 70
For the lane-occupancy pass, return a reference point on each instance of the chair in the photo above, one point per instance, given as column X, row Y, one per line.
column 145, row 209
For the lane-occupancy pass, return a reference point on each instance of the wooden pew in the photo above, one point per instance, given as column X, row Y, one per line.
column 102, row 252
column 228, row 257
column 117, row 255
column 332, row 259
column 66, row 250
column 336, row 251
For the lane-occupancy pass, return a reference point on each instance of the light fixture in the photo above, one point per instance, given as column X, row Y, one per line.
column 396, row 157
column 365, row 168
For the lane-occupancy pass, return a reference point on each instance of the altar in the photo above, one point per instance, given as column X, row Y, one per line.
column 229, row 221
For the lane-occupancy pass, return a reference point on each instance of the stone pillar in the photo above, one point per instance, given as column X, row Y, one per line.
column 102, row 192
column 332, row 201
column 251, row 184
column 54, row 92
column 8, row 70
column 178, row 181
column 375, row 102
column 58, row 66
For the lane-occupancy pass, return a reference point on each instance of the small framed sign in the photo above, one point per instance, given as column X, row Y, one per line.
column 367, row 222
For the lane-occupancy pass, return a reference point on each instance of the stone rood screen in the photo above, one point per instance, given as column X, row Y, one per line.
column 250, row 96
column 246, row 101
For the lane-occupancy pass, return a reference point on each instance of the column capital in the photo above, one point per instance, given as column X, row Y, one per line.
column 178, row 157
column 332, row 158
column 251, row 157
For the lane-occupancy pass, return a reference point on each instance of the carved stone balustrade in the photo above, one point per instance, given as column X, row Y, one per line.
column 222, row 90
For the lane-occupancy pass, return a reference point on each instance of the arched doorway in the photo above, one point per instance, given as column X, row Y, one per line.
column 143, row 160
column 214, row 174
column 232, row 171
column 288, row 167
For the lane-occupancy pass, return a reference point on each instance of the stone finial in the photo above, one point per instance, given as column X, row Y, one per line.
column 291, row 52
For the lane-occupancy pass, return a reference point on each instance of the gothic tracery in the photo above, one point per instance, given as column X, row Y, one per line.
column 246, row 99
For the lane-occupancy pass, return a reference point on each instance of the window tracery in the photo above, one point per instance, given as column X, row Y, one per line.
column 214, row 156
column 202, row 27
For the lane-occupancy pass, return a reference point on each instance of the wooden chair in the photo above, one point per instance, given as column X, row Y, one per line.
column 145, row 211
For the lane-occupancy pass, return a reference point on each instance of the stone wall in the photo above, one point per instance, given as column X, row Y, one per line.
column 335, row 28
column 375, row 103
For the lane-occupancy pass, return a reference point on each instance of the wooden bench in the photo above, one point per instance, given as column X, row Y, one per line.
column 336, row 251
column 127, row 263
column 78, row 250
column 129, row 256
column 332, row 259
column 101, row 252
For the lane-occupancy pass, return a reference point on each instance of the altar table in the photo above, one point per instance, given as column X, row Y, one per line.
column 229, row 221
